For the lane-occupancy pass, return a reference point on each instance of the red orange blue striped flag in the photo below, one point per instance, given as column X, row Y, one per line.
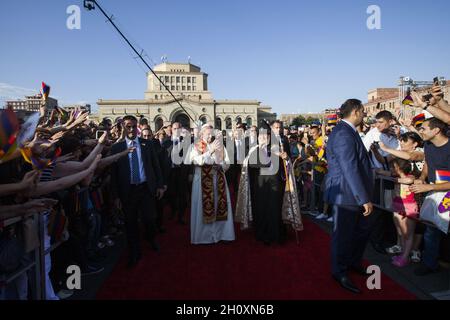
column 442, row 176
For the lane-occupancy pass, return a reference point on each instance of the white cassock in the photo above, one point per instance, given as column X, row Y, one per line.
column 203, row 233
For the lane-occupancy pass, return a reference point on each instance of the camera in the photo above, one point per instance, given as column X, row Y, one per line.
column 99, row 133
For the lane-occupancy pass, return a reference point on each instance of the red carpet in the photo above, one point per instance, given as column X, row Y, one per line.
column 244, row 269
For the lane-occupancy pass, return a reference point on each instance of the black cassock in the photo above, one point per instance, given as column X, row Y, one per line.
column 267, row 199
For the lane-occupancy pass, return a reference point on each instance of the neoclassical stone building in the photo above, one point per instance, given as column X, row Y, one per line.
column 190, row 86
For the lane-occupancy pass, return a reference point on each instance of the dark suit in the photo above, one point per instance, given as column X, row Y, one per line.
column 165, row 170
column 137, row 198
column 348, row 185
column 234, row 171
column 177, row 178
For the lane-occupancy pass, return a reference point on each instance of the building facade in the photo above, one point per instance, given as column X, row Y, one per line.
column 30, row 104
column 390, row 99
column 190, row 88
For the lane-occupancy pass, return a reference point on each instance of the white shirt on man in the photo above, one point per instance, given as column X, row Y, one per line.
column 240, row 151
column 374, row 135
column 136, row 143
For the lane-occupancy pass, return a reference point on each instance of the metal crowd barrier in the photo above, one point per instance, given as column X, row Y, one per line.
column 36, row 263
column 442, row 295
column 38, row 281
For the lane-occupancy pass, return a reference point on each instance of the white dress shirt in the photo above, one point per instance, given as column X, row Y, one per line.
column 389, row 141
column 239, row 151
column 137, row 144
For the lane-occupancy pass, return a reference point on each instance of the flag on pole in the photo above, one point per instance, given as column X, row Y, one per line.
column 37, row 162
column 442, row 176
column 9, row 129
column 45, row 91
column 332, row 118
column 408, row 101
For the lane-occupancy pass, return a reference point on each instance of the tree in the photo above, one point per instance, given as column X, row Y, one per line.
column 310, row 120
column 298, row 121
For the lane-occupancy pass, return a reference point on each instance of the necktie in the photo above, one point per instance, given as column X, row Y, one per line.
column 135, row 177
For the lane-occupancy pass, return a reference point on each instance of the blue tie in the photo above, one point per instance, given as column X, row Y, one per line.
column 135, row 177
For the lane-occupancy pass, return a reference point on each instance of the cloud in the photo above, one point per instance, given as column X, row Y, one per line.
column 11, row 92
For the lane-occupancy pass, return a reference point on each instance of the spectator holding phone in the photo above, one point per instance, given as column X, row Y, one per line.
column 437, row 157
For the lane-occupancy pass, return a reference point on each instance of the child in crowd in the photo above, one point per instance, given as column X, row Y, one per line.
column 405, row 207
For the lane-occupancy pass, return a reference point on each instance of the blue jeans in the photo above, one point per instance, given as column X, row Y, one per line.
column 432, row 240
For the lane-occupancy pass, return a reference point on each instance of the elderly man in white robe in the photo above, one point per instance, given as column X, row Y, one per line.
column 211, row 211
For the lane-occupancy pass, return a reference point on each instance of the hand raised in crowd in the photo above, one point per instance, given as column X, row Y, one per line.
column 437, row 94
column 102, row 139
column 417, row 100
column 57, row 136
column 79, row 120
column 305, row 140
column 284, row 155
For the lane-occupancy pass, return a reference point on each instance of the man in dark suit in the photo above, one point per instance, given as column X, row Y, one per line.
column 178, row 177
column 147, row 134
column 136, row 182
column 348, row 188
column 277, row 129
column 240, row 151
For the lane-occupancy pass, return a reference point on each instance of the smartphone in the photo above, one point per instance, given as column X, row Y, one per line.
column 427, row 97
column 99, row 133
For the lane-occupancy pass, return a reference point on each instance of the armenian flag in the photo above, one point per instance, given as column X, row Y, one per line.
column 408, row 101
column 442, row 176
column 45, row 91
column 419, row 119
column 332, row 118
column 39, row 163
column 9, row 128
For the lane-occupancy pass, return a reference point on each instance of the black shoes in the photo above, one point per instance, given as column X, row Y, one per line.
column 346, row 283
column 359, row 270
column 92, row 270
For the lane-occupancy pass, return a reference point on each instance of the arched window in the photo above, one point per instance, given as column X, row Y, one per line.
column 203, row 120
column 238, row 120
column 218, row 123
column 249, row 122
column 156, row 97
column 228, row 124
column 159, row 122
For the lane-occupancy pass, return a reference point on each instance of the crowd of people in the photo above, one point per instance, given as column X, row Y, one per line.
column 91, row 182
